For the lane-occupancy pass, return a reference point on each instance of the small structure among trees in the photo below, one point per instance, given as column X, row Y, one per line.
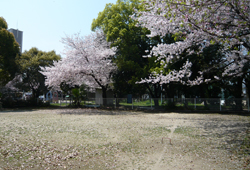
column 99, row 99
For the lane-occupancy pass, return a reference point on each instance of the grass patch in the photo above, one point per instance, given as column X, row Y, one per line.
column 188, row 131
column 145, row 103
column 157, row 131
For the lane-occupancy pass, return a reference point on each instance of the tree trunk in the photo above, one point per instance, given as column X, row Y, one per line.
column 169, row 90
column 155, row 93
column 247, row 83
column 156, row 102
column 238, row 94
column 104, row 96
column 35, row 93
column 203, row 95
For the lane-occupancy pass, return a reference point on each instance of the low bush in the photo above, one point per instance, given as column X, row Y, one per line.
column 9, row 102
column 170, row 105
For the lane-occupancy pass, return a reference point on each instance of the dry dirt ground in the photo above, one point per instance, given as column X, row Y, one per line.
column 101, row 139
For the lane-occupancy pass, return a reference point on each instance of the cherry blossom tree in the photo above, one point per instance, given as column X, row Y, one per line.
column 88, row 60
column 199, row 23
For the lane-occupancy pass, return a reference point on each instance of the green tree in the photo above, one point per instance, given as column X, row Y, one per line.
column 79, row 94
column 131, row 42
column 30, row 63
column 9, row 50
column 3, row 23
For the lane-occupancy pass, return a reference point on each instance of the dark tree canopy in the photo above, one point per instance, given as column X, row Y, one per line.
column 9, row 50
column 30, row 63
column 131, row 42
column 3, row 23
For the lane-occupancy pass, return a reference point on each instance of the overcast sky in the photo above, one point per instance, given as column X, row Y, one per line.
column 45, row 22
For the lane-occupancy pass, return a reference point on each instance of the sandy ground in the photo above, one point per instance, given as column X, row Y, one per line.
column 157, row 141
column 198, row 141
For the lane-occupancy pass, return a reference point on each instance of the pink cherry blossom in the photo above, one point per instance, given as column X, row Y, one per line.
column 207, row 22
column 88, row 60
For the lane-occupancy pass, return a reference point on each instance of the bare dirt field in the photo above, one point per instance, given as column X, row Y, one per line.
column 102, row 139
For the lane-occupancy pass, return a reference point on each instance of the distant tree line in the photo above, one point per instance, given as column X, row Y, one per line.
column 142, row 47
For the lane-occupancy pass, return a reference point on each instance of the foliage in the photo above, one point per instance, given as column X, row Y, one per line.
column 170, row 105
column 11, row 99
column 9, row 50
column 115, row 22
column 88, row 60
column 201, row 23
column 131, row 43
column 30, row 64
column 3, row 23
column 79, row 94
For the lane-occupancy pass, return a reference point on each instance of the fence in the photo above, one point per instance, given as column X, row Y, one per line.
column 215, row 104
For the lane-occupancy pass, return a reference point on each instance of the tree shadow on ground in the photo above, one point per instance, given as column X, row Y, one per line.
column 16, row 110
column 95, row 111
column 234, row 134
column 120, row 111
column 155, row 111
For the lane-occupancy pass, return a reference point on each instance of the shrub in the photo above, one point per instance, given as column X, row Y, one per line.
column 170, row 105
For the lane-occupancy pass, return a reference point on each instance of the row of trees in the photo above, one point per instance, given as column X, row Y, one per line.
column 211, row 46
column 21, row 72
column 186, row 48
column 111, row 57
column 192, row 48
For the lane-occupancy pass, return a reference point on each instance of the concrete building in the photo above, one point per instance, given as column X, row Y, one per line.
column 18, row 36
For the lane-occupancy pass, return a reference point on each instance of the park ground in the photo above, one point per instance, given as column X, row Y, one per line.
column 109, row 139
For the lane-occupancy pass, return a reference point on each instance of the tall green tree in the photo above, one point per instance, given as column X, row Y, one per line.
column 131, row 42
column 30, row 63
column 9, row 50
